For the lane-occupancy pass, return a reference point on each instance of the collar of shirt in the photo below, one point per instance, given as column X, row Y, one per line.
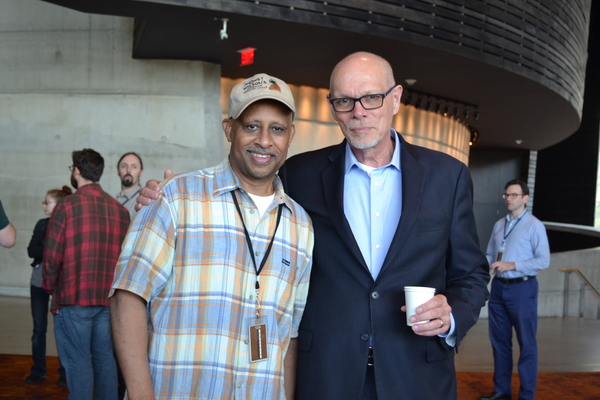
column 90, row 187
column 351, row 160
column 512, row 221
column 226, row 181
column 130, row 193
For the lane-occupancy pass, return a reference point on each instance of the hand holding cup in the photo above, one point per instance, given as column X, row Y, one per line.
column 416, row 296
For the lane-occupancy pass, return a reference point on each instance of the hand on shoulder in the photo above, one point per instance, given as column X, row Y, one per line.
column 150, row 191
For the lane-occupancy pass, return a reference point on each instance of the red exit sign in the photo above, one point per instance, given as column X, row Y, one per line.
column 246, row 56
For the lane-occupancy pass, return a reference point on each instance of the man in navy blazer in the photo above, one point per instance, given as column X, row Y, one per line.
column 354, row 342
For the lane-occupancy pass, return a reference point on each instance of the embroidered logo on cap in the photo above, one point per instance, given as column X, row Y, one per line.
column 274, row 85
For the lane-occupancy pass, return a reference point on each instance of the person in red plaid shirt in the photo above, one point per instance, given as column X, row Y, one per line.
column 83, row 242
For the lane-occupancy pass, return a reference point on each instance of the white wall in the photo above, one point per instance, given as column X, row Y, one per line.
column 68, row 81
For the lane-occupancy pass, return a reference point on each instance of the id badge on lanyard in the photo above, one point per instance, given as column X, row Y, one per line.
column 257, row 326
column 257, row 335
column 503, row 245
column 500, row 252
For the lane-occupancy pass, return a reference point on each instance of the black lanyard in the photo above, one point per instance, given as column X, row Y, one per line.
column 125, row 202
column 513, row 227
column 264, row 260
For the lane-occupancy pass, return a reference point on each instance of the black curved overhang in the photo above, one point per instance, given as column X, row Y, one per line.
column 522, row 66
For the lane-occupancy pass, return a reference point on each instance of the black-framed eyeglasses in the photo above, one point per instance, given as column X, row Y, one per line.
column 71, row 168
column 368, row 102
column 511, row 195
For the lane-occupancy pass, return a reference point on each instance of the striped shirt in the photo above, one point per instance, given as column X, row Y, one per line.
column 83, row 242
column 187, row 256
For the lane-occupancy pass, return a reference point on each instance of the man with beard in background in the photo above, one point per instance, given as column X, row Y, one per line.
column 130, row 169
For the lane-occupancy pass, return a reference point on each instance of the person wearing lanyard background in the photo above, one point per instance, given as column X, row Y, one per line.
column 518, row 249
column 220, row 265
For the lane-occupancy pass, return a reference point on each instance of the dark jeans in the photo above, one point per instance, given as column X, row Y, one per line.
column 85, row 347
column 39, row 312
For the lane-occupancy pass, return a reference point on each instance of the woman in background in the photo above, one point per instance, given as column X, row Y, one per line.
column 39, row 297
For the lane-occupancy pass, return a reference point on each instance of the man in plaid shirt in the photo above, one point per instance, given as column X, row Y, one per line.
column 211, row 284
column 83, row 241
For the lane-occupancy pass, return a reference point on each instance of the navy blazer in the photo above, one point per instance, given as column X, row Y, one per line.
column 435, row 245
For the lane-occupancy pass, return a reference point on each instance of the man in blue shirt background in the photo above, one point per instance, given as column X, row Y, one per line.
column 517, row 251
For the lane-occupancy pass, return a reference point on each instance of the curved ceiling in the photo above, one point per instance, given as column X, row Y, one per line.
column 512, row 107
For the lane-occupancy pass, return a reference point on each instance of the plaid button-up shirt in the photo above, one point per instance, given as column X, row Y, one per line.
column 83, row 242
column 187, row 256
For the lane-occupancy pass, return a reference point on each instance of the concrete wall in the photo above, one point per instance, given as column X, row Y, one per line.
column 68, row 81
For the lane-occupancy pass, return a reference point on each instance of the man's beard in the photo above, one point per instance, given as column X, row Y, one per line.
column 358, row 141
column 127, row 182
column 73, row 181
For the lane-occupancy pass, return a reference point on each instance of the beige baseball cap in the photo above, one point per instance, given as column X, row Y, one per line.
column 259, row 87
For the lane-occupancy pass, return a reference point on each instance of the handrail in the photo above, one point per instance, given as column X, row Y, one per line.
column 585, row 278
column 566, row 290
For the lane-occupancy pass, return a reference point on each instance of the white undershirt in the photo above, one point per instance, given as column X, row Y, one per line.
column 262, row 202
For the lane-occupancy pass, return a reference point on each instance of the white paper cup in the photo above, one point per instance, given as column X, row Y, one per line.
column 415, row 297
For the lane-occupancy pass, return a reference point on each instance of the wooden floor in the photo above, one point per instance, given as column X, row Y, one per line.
column 565, row 345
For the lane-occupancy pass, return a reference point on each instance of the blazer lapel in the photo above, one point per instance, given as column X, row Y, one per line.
column 413, row 179
column 333, row 189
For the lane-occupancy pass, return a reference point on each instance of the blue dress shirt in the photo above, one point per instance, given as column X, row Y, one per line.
column 373, row 205
column 525, row 243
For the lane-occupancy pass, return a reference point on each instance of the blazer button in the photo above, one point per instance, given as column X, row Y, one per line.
column 375, row 295
column 364, row 337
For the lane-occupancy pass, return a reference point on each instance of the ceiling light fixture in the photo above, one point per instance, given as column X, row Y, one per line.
column 223, row 32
